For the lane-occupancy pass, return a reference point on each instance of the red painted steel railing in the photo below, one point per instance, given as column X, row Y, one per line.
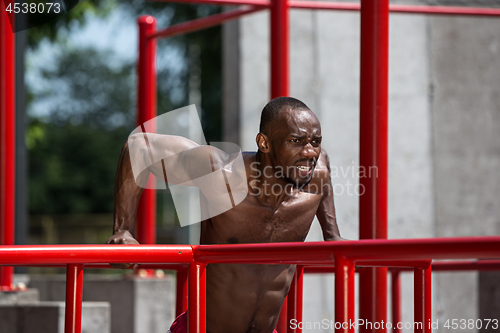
column 408, row 253
column 7, row 138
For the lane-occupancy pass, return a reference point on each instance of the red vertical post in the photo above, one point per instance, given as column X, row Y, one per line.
column 422, row 299
column 197, row 317
column 373, row 151
column 146, row 110
column 7, row 139
column 280, row 45
column 181, row 301
column 282, row 324
column 74, row 289
column 396, row 300
column 344, row 295
column 295, row 300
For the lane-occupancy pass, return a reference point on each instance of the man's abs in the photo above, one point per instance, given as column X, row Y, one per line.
column 246, row 298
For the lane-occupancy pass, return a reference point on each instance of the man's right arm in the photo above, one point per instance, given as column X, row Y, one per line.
column 174, row 159
column 126, row 199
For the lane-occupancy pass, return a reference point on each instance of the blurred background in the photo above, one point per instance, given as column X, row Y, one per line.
column 77, row 77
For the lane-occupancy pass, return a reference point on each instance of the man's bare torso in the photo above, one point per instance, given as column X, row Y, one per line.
column 248, row 298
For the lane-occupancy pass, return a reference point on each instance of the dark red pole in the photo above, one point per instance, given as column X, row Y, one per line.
column 422, row 299
column 396, row 300
column 295, row 300
column 281, row 326
column 197, row 298
column 74, row 289
column 205, row 22
column 181, row 302
column 7, row 139
column 280, row 21
column 146, row 110
column 373, row 151
column 344, row 295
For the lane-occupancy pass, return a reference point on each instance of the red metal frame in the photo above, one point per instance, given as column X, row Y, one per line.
column 7, row 139
column 294, row 300
column 374, row 94
column 415, row 253
column 74, row 290
column 205, row 22
column 146, row 110
column 406, row 9
column 280, row 44
column 373, row 205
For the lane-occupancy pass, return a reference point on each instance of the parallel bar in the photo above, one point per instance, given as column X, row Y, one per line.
column 146, row 110
column 295, row 300
column 280, row 54
column 74, row 289
column 344, row 295
column 181, row 300
column 396, row 301
column 282, row 324
column 261, row 3
column 83, row 254
column 407, row 9
column 205, row 22
column 423, row 300
column 7, row 139
column 487, row 247
column 373, row 151
column 197, row 298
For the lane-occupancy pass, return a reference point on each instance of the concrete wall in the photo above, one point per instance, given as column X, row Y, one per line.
column 137, row 305
column 444, row 114
column 465, row 73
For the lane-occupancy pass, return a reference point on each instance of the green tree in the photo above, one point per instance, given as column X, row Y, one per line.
column 91, row 105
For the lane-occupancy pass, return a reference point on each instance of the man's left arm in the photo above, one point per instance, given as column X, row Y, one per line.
column 326, row 210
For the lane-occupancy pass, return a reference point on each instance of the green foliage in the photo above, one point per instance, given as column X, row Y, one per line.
column 77, row 16
column 72, row 168
column 90, row 100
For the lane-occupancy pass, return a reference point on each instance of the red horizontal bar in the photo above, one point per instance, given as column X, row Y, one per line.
column 204, row 22
column 408, row 9
column 461, row 265
column 261, row 3
column 377, row 249
column 319, row 253
column 81, row 254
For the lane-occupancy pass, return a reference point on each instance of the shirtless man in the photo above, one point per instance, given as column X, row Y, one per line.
column 244, row 297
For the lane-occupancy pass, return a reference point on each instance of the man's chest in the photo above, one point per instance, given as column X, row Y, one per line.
column 257, row 221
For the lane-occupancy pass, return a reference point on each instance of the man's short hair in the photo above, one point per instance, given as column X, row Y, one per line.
column 272, row 110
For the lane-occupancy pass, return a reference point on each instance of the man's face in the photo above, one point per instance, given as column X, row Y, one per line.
column 295, row 145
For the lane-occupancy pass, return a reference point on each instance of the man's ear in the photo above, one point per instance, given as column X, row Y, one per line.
column 262, row 142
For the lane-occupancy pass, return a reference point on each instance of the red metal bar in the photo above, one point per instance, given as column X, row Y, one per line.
column 295, row 300
column 283, row 317
column 309, row 253
column 344, row 295
column 373, row 151
column 197, row 298
column 407, row 9
column 7, row 139
column 396, row 301
column 74, row 289
column 181, row 300
column 261, row 3
column 280, row 40
column 146, row 110
column 423, row 300
column 487, row 247
column 204, row 22
column 82, row 254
